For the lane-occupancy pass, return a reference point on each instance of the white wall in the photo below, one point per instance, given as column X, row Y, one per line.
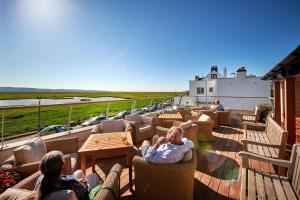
column 202, row 83
column 243, row 87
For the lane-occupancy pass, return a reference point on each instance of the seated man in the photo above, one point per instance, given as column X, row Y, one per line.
column 217, row 106
column 170, row 149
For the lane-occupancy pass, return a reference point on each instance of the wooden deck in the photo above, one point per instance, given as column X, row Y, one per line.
column 211, row 182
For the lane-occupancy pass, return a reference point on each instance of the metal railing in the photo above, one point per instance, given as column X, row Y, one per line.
column 69, row 109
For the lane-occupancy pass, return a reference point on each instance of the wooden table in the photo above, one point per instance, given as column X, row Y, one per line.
column 107, row 143
column 168, row 117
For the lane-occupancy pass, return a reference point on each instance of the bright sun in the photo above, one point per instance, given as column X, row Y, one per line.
column 42, row 12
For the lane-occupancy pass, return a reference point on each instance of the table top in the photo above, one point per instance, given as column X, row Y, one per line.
column 170, row 116
column 106, row 141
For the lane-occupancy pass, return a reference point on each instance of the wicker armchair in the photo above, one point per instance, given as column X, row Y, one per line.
column 190, row 133
column 164, row 181
column 108, row 126
column 224, row 117
column 110, row 189
column 70, row 151
column 143, row 127
column 184, row 111
column 205, row 128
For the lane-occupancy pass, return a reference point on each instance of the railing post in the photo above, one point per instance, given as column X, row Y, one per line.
column 69, row 119
column 107, row 110
column 2, row 131
column 162, row 105
column 39, row 115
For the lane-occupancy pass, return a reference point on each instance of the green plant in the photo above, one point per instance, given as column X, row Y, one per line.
column 264, row 110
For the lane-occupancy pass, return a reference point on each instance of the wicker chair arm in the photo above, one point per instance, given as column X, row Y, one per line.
column 29, row 182
column 148, row 120
column 278, row 162
column 134, row 130
column 140, row 163
column 96, row 129
column 27, row 169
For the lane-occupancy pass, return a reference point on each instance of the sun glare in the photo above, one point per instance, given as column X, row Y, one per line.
column 42, row 13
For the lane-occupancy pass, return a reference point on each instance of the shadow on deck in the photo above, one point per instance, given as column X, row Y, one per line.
column 218, row 170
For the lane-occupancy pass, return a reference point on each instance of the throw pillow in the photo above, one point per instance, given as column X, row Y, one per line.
column 31, row 152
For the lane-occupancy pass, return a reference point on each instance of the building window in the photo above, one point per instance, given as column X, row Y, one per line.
column 211, row 89
column 200, row 90
column 213, row 76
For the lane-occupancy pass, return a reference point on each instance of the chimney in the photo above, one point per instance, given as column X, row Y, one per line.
column 241, row 72
column 225, row 72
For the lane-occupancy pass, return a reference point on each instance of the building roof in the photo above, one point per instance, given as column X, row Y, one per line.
column 289, row 66
column 241, row 69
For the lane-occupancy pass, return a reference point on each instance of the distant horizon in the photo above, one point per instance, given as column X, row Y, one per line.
column 87, row 90
column 140, row 45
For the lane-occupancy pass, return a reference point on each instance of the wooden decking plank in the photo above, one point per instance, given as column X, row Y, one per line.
column 222, row 183
column 214, row 182
column 225, row 184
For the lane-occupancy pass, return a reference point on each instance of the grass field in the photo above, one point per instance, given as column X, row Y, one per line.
column 23, row 120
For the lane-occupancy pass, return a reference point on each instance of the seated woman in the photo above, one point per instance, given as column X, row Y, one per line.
column 170, row 149
column 51, row 167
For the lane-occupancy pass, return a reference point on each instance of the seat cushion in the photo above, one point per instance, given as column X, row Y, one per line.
column 17, row 194
column 61, row 194
column 31, row 152
column 204, row 118
column 143, row 128
column 112, row 126
column 135, row 118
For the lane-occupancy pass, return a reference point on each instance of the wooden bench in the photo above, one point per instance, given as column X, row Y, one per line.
column 269, row 143
column 251, row 117
column 261, row 185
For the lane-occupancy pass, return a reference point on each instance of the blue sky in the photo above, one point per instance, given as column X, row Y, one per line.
column 140, row 45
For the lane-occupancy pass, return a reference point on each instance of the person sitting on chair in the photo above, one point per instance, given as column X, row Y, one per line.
column 52, row 180
column 217, row 106
column 169, row 149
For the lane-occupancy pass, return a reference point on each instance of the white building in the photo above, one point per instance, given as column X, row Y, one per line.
column 239, row 92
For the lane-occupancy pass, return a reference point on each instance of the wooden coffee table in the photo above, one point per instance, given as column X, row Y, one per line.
column 168, row 117
column 107, row 143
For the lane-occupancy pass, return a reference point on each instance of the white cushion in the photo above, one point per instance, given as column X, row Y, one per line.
column 204, row 118
column 61, row 194
column 144, row 128
column 31, row 152
column 17, row 194
column 109, row 126
column 187, row 156
column 135, row 118
column 186, row 125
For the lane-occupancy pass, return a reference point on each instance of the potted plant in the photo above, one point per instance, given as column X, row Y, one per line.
column 264, row 110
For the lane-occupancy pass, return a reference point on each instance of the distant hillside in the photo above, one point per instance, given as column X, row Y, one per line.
column 24, row 89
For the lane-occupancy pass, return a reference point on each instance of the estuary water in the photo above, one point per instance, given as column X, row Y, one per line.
column 30, row 102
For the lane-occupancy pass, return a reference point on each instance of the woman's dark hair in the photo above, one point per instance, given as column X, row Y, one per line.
column 51, row 167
